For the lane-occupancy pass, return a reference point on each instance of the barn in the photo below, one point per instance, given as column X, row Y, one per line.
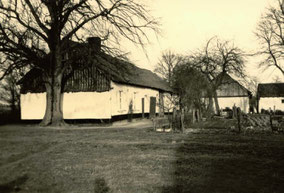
column 271, row 96
column 231, row 93
column 106, row 89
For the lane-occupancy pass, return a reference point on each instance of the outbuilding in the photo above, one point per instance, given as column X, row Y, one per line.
column 231, row 93
column 270, row 96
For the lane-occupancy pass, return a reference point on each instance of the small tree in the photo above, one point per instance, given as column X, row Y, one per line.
column 191, row 86
column 269, row 32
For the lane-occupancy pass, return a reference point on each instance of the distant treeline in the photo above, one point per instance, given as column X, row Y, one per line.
column 7, row 115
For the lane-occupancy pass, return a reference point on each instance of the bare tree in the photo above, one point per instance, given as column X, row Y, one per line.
column 269, row 32
column 166, row 64
column 10, row 92
column 36, row 34
column 215, row 60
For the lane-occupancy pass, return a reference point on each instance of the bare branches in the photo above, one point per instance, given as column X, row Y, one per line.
column 219, row 57
column 167, row 63
column 269, row 32
column 32, row 30
column 37, row 17
column 15, row 17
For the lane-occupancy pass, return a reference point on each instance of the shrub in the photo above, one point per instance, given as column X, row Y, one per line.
column 101, row 186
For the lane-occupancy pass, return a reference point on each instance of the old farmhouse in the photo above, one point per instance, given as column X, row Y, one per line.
column 231, row 93
column 270, row 96
column 106, row 88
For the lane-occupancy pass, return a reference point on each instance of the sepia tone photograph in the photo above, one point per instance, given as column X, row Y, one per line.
column 142, row 96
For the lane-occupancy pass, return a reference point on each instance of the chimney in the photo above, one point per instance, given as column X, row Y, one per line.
column 95, row 43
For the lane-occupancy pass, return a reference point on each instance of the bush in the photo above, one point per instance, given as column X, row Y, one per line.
column 101, row 186
column 9, row 116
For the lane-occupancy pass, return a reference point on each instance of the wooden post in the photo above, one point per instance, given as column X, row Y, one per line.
column 143, row 110
column 174, row 118
column 152, row 107
column 271, row 125
column 274, row 109
column 239, row 115
column 234, row 112
column 182, row 120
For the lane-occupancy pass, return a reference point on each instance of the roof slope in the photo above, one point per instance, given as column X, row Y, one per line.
column 270, row 90
column 141, row 77
column 231, row 87
column 120, row 71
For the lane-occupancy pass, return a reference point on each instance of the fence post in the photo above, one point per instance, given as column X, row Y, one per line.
column 270, row 116
column 182, row 120
column 239, row 114
column 174, row 119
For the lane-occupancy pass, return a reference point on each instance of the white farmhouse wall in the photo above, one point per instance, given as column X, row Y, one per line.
column 271, row 102
column 33, row 105
column 93, row 105
column 87, row 105
column 79, row 105
column 122, row 95
column 242, row 102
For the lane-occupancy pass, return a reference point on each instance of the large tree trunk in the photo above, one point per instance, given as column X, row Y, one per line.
column 210, row 109
column 57, row 114
column 53, row 112
column 47, row 116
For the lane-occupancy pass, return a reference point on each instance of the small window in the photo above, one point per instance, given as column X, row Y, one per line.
column 120, row 99
column 282, row 100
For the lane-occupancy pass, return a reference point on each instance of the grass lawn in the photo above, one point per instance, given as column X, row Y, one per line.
column 138, row 160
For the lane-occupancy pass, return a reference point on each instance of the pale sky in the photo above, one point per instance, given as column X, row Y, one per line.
column 188, row 24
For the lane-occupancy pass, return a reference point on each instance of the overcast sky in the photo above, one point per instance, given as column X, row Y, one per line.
column 188, row 24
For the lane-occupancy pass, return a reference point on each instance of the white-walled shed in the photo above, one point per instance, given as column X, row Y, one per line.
column 270, row 96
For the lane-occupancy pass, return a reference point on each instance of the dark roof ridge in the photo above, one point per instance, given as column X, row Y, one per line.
column 270, row 89
column 272, row 83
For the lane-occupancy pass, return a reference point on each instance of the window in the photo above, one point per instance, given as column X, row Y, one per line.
column 282, row 100
column 120, row 99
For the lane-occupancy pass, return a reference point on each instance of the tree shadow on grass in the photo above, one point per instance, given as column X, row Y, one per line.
column 217, row 167
column 13, row 186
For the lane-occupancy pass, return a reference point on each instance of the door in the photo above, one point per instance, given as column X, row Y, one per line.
column 152, row 107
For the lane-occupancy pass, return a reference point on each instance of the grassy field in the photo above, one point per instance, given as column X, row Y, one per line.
column 138, row 160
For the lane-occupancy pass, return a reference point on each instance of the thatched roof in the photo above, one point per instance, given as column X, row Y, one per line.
column 125, row 72
column 140, row 77
column 120, row 71
column 270, row 90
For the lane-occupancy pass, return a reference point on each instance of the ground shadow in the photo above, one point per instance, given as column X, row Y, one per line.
column 13, row 186
column 209, row 166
